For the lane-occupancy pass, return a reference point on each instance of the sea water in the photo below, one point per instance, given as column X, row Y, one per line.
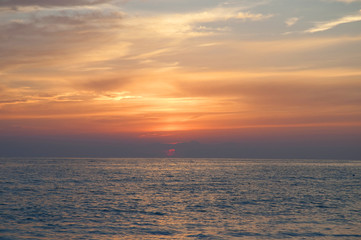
column 52, row 198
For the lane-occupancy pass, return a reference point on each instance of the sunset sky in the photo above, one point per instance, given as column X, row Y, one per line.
column 196, row 75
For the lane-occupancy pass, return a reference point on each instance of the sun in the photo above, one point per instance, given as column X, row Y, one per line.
column 170, row 152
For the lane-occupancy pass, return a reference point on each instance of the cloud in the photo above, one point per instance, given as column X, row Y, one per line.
column 86, row 18
column 281, row 91
column 194, row 101
column 346, row 1
column 102, row 85
column 50, row 3
column 12, row 101
column 61, row 37
column 189, row 23
column 291, row 21
column 324, row 26
column 252, row 17
column 112, row 67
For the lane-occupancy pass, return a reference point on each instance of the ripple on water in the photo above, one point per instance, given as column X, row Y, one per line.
column 186, row 198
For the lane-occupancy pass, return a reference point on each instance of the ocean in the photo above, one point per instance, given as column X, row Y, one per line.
column 139, row 198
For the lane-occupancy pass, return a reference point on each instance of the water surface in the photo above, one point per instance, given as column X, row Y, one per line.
column 53, row 198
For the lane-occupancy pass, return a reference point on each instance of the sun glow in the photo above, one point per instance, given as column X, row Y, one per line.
column 116, row 96
column 126, row 68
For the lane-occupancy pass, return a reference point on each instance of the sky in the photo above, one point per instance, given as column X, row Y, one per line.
column 180, row 78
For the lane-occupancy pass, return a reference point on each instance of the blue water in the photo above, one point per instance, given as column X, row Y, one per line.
column 179, row 199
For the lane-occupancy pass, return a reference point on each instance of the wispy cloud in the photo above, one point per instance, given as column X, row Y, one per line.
column 346, row 1
column 252, row 16
column 291, row 21
column 324, row 26
column 43, row 36
column 189, row 23
column 47, row 3
column 208, row 66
